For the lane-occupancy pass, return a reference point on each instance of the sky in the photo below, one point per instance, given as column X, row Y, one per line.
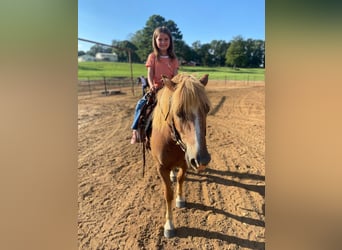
column 106, row 20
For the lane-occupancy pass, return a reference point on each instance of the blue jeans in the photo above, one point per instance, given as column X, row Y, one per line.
column 138, row 107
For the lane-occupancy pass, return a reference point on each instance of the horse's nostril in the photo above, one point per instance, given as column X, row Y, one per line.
column 203, row 159
column 194, row 162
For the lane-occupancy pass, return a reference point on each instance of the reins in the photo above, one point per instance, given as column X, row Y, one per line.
column 144, row 158
column 150, row 96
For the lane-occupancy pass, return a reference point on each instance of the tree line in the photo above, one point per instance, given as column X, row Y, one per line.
column 239, row 52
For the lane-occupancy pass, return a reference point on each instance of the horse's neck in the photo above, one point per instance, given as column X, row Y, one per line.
column 162, row 112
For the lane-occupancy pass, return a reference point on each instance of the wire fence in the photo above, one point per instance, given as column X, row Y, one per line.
column 106, row 86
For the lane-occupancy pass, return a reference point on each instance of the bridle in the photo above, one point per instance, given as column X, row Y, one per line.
column 176, row 136
column 174, row 132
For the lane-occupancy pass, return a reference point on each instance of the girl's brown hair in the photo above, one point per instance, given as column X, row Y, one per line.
column 156, row 33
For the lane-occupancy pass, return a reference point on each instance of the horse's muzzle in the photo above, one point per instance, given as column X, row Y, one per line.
column 201, row 161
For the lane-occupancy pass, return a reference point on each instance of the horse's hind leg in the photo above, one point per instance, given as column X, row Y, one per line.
column 169, row 229
column 180, row 200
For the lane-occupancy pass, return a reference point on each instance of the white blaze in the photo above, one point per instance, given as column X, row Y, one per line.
column 197, row 132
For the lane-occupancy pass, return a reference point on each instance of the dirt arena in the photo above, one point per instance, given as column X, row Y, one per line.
column 225, row 205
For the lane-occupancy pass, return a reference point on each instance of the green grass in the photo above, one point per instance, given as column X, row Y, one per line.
column 96, row 70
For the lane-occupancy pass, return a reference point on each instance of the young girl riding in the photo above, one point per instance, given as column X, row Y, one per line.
column 162, row 61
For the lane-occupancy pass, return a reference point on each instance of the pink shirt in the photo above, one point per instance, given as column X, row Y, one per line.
column 163, row 66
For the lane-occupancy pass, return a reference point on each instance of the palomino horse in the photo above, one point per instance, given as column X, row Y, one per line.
column 178, row 135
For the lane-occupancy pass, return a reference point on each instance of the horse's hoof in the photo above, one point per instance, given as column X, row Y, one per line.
column 180, row 203
column 169, row 233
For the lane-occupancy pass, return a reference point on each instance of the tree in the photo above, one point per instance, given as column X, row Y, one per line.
column 81, row 53
column 183, row 51
column 206, row 55
column 218, row 49
column 236, row 53
column 258, row 58
column 210, row 54
column 143, row 38
column 122, row 53
column 196, row 47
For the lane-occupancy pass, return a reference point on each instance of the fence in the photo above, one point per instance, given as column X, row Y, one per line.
column 120, row 85
column 105, row 86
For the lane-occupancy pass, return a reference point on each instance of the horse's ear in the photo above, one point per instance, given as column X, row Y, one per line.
column 168, row 83
column 204, row 79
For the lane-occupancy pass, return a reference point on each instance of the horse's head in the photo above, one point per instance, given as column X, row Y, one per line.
column 189, row 106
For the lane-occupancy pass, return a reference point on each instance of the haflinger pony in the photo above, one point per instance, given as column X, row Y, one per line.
column 178, row 136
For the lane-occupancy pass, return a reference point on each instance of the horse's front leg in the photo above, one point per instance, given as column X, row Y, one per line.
column 173, row 175
column 169, row 229
column 180, row 200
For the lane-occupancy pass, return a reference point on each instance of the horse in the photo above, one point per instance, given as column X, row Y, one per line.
column 178, row 137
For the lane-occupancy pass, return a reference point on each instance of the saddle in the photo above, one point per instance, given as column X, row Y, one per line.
column 145, row 119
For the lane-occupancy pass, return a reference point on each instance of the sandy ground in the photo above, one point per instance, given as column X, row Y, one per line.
column 121, row 209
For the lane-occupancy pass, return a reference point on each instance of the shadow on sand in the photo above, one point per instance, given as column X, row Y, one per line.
column 184, row 232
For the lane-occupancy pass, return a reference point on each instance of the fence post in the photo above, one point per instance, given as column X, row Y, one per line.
column 105, row 84
column 89, row 86
column 131, row 67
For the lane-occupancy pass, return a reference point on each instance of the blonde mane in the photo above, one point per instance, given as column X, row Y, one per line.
column 189, row 94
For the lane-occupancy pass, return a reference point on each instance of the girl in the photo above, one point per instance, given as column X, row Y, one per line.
column 162, row 61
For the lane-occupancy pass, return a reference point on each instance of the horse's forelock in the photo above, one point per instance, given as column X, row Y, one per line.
column 189, row 95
